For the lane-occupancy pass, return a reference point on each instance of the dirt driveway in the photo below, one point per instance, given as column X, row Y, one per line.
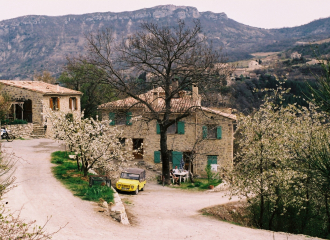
column 159, row 212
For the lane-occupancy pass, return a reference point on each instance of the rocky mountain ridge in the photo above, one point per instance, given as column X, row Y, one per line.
column 35, row 43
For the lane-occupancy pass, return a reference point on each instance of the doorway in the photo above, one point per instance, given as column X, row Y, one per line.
column 188, row 158
column 138, row 148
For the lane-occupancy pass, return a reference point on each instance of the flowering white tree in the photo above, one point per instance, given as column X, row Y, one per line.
column 270, row 172
column 95, row 143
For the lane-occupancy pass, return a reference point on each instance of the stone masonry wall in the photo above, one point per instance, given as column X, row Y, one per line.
column 22, row 94
column 64, row 107
column 64, row 102
column 223, row 148
column 21, row 130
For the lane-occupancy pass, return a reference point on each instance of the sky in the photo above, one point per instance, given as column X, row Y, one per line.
column 256, row 13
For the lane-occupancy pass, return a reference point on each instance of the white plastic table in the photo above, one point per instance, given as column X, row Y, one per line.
column 181, row 174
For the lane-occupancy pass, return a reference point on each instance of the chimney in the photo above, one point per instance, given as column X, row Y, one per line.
column 57, row 86
column 155, row 98
column 175, row 86
column 194, row 93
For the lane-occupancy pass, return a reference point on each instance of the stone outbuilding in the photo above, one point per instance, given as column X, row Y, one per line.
column 295, row 55
column 254, row 65
column 205, row 136
column 31, row 98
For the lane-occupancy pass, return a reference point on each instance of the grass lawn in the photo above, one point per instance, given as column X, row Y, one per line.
column 200, row 184
column 66, row 171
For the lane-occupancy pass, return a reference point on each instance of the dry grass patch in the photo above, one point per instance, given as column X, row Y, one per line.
column 234, row 212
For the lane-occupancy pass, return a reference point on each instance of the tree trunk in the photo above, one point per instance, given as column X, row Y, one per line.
column 262, row 200
column 85, row 171
column 78, row 165
column 275, row 212
column 262, row 203
column 191, row 176
column 327, row 211
column 164, row 155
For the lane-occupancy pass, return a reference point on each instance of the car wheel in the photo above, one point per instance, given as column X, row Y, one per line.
column 142, row 188
column 137, row 190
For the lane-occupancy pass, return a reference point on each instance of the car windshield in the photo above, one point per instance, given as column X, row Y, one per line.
column 130, row 176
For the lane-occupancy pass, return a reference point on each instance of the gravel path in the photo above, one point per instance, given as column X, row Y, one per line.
column 158, row 212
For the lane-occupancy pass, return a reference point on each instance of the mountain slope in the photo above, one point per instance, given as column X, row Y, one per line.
column 35, row 43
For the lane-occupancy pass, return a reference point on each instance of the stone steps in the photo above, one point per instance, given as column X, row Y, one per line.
column 38, row 131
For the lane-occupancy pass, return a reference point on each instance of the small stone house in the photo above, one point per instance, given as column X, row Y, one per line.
column 254, row 65
column 205, row 136
column 30, row 98
column 295, row 55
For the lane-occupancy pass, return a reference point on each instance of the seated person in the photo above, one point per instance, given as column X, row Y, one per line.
column 176, row 170
column 173, row 176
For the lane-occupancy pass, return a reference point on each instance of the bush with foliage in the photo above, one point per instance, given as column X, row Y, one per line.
column 13, row 122
column 283, row 169
column 95, row 143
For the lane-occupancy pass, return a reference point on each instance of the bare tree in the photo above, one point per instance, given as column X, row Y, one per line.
column 173, row 59
column 45, row 76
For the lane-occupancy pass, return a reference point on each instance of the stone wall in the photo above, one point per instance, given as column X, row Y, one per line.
column 222, row 148
column 21, row 130
column 22, row 94
column 39, row 101
column 64, row 102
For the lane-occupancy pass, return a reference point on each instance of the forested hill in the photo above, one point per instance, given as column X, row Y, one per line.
column 35, row 43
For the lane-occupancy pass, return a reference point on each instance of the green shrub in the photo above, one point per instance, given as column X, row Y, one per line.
column 16, row 121
column 211, row 176
column 66, row 171
column 94, row 193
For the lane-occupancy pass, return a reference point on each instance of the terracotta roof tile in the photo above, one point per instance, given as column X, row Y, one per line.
column 41, row 87
column 179, row 105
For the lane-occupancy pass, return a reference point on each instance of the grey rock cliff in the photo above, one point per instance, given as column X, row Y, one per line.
column 36, row 43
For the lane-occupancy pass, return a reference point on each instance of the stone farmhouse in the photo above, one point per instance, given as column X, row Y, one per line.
column 31, row 98
column 254, row 65
column 295, row 55
column 205, row 136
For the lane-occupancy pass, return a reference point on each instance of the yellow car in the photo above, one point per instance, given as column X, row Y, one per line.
column 132, row 180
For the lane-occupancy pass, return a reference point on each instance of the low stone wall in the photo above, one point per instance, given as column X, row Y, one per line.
column 221, row 187
column 21, row 130
column 117, row 209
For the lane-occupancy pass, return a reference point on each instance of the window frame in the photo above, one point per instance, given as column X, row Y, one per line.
column 217, row 134
column 73, row 104
column 54, row 103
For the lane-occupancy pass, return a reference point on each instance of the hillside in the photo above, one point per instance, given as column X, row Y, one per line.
column 35, row 43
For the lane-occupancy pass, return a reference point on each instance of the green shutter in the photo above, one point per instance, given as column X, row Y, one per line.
column 128, row 118
column 219, row 132
column 157, row 156
column 157, row 128
column 204, row 132
column 112, row 118
column 176, row 158
column 180, row 127
column 212, row 159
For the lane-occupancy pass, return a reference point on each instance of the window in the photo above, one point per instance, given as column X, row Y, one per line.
column 120, row 118
column 212, row 132
column 175, row 128
column 177, row 157
column 122, row 141
column 172, row 129
column 213, row 161
column 54, row 103
column 73, row 103
column 157, row 157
